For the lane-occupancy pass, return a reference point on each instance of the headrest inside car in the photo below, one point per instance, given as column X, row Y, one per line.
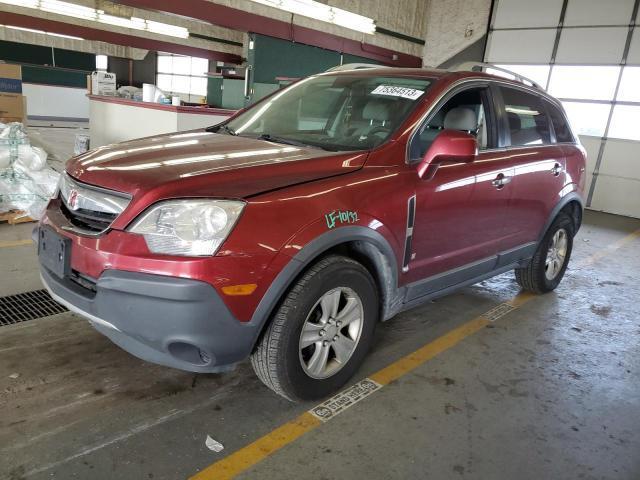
column 461, row 118
column 377, row 110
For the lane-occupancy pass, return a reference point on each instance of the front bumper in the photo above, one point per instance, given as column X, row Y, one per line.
column 177, row 322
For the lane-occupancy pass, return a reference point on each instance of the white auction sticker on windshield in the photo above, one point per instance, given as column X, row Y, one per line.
column 404, row 92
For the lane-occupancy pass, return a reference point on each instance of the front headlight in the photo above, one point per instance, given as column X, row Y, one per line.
column 187, row 227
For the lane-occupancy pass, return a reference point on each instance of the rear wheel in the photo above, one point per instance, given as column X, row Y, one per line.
column 322, row 331
column 547, row 267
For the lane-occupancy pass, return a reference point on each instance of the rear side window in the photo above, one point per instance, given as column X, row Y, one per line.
column 526, row 118
column 560, row 126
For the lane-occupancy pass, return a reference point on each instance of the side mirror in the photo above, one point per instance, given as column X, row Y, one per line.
column 448, row 146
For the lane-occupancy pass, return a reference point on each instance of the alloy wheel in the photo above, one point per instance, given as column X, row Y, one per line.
column 556, row 254
column 331, row 333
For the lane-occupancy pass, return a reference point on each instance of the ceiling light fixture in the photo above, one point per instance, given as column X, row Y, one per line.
column 91, row 14
column 42, row 32
column 325, row 13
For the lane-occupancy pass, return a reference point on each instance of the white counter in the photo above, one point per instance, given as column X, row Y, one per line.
column 113, row 120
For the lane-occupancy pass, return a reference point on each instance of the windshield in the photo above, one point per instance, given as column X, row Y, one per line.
column 339, row 112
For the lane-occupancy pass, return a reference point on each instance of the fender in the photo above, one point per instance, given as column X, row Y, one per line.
column 564, row 201
column 304, row 257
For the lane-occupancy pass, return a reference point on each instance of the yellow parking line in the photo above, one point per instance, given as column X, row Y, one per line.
column 413, row 360
column 17, row 243
column 607, row 250
column 246, row 457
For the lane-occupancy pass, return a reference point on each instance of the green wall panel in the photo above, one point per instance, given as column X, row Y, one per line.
column 75, row 60
column 37, row 61
column 25, row 53
column 233, row 93
column 214, row 91
column 273, row 57
column 348, row 58
column 261, row 90
column 54, row 76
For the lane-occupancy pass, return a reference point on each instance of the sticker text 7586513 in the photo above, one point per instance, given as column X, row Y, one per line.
column 404, row 92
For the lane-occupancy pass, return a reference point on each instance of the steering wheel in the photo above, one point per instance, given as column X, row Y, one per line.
column 378, row 129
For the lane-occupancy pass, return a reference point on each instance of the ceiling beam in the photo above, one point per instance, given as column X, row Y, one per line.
column 89, row 33
column 235, row 19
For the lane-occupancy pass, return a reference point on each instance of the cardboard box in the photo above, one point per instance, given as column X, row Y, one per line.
column 10, row 78
column 103, row 83
column 13, row 107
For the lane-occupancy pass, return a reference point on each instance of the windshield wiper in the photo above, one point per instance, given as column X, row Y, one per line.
column 275, row 139
column 225, row 128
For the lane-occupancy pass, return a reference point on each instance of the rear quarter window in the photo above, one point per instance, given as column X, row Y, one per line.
column 527, row 119
column 560, row 125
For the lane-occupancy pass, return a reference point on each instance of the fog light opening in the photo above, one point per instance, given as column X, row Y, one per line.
column 189, row 353
column 204, row 357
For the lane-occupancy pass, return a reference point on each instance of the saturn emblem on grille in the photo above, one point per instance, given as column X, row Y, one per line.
column 72, row 201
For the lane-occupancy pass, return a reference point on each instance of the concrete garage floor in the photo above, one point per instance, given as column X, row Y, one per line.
column 550, row 390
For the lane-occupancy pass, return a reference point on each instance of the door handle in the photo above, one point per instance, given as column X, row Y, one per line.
column 556, row 170
column 500, row 181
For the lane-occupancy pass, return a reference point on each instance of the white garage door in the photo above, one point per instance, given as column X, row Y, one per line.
column 587, row 53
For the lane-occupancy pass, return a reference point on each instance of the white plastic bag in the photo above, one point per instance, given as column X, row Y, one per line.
column 32, row 158
column 5, row 156
column 26, row 190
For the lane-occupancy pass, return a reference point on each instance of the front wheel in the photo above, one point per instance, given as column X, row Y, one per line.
column 322, row 331
column 546, row 269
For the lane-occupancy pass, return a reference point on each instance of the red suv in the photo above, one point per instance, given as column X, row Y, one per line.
column 287, row 232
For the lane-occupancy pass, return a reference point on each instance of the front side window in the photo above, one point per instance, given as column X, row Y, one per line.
column 465, row 112
column 526, row 118
column 334, row 112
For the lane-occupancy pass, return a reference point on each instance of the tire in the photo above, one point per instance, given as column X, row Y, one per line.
column 288, row 368
column 542, row 277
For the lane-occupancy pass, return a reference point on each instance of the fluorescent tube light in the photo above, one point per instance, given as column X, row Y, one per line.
column 70, row 37
column 22, row 3
column 22, row 29
column 87, row 13
column 42, row 32
column 324, row 13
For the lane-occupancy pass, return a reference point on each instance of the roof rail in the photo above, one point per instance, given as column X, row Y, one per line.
column 353, row 66
column 482, row 66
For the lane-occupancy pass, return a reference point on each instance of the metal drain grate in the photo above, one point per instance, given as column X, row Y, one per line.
column 28, row 306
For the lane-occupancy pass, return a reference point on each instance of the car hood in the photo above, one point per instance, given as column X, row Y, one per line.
column 201, row 163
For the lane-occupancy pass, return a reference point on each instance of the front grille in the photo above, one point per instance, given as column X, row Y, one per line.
column 89, row 208
column 28, row 306
column 88, row 219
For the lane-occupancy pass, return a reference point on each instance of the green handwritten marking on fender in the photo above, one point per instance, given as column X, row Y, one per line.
column 340, row 217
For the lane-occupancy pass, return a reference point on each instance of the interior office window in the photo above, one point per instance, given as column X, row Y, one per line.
column 583, row 82
column 629, row 91
column 587, row 118
column 102, row 62
column 180, row 74
column 624, row 122
column 560, row 126
column 527, row 118
column 537, row 73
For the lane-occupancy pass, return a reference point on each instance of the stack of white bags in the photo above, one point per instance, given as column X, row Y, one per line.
column 26, row 182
